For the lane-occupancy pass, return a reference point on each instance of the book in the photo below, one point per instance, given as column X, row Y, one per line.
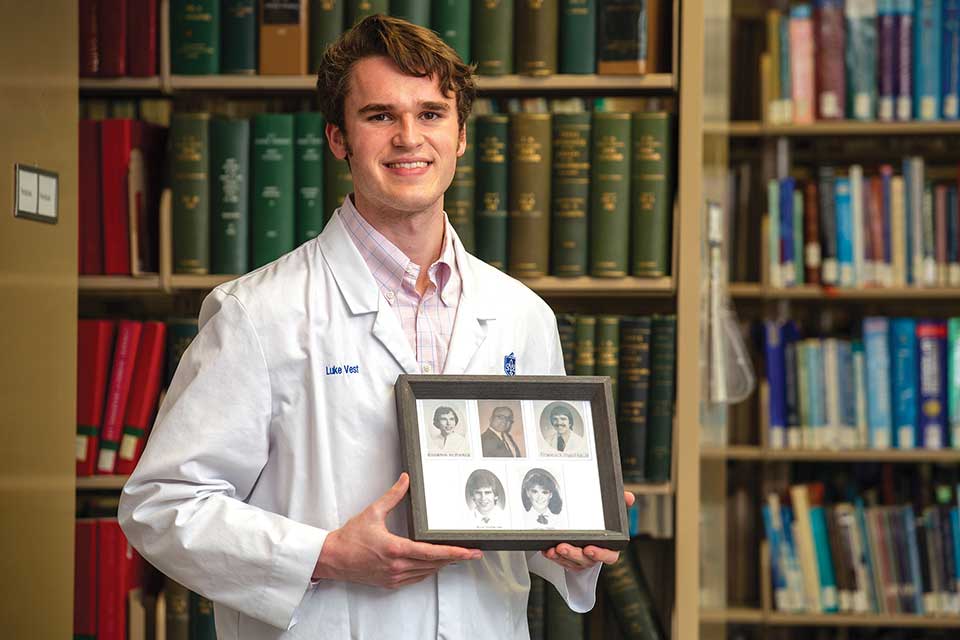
column 903, row 58
column 577, row 39
column 652, row 187
column 201, row 618
column 118, row 393
column 932, row 400
column 326, row 24
column 272, row 196
column 586, row 350
column 458, row 200
column 112, row 577
column 660, row 401
column 801, row 63
column 860, row 56
column 177, row 613
column 88, row 17
column 953, row 380
column 141, row 38
column 903, row 373
column 94, row 347
column 926, row 59
column 357, row 10
column 194, row 37
column 610, row 194
column 608, row 351
column 621, row 37
column 529, row 188
column 828, row 48
column 337, row 182
column 536, row 603
column 229, row 195
column 537, row 36
column 116, row 144
column 876, row 339
column 570, row 191
column 90, row 223
column 492, row 37
column 112, row 34
column 190, row 184
column 238, row 29
column 632, row 601
column 633, row 384
column 886, row 59
column 180, row 333
column 830, row 272
column 85, row 578
column 283, row 37
column 451, row 19
column 560, row 622
column 310, row 143
column 415, row 11
column 491, row 192
column 950, row 60
column 144, row 391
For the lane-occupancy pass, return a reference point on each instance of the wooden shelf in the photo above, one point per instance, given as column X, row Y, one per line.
column 661, row 489
column 753, row 129
column 93, row 483
column 748, row 290
column 773, row 619
column 747, row 452
column 112, row 85
column 734, row 615
column 119, row 284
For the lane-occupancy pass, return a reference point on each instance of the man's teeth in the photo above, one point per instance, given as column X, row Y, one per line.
column 408, row 165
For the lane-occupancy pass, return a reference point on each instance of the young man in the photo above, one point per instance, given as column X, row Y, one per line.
column 487, row 500
column 446, row 440
column 563, row 438
column 266, row 484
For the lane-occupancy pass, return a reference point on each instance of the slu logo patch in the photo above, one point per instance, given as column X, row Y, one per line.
column 510, row 364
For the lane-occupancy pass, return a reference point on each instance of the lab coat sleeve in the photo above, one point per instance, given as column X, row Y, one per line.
column 183, row 507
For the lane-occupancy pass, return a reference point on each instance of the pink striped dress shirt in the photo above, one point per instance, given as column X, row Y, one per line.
column 427, row 320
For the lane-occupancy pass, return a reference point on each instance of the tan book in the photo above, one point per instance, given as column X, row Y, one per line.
column 284, row 40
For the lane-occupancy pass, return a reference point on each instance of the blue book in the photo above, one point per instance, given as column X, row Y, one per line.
column 776, row 381
column 950, row 60
column 861, row 58
column 778, row 575
column 860, row 393
column 873, row 596
column 817, row 393
column 926, row 59
column 790, row 338
column 932, row 347
column 844, row 231
column 788, row 265
column 903, row 356
column 876, row 342
column 953, row 237
column 829, row 599
column 848, row 396
column 916, row 576
column 795, row 577
column 955, row 523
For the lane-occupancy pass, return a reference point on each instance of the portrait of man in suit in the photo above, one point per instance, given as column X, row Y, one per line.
column 503, row 437
column 562, row 430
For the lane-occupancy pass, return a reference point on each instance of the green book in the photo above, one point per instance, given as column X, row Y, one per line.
column 651, row 210
column 272, row 211
column 229, row 195
column 631, row 598
column 202, row 626
column 451, row 19
column 663, row 362
column 492, row 39
column 567, row 328
column 415, row 11
column 622, row 37
column 536, row 37
column 194, row 37
column 578, row 36
column 180, row 333
column 178, row 610
column 561, row 622
column 608, row 350
column 634, row 380
column 610, row 194
column 190, row 186
column 337, row 183
column 570, row 193
column 357, row 10
column 326, row 25
column 239, row 37
column 586, row 332
column 459, row 197
column 531, row 141
column 309, row 144
column 491, row 194
column 535, row 607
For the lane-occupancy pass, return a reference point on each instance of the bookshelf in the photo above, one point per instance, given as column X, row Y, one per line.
column 759, row 129
column 758, row 617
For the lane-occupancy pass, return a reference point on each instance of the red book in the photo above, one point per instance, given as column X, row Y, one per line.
column 876, row 227
column 85, row 579
column 113, row 38
column 811, row 234
column 116, row 140
column 144, row 390
column 89, row 38
column 830, row 69
column 124, row 357
column 151, row 141
column 91, row 232
column 111, row 580
column 142, row 38
column 94, row 344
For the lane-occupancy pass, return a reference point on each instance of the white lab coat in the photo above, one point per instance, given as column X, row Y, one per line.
column 259, row 450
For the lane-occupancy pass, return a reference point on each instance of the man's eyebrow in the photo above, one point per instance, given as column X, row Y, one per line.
column 378, row 107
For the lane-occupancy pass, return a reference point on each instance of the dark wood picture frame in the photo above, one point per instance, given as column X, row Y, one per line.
column 594, row 389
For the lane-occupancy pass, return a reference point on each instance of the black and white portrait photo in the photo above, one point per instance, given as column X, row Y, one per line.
column 445, row 428
column 542, row 500
column 501, row 424
column 486, row 500
column 562, row 431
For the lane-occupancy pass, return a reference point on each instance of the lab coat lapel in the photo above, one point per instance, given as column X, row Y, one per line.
column 387, row 329
column 473, row 315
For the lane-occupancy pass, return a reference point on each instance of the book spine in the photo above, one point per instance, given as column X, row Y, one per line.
column 785, row 65
column 898, row 232
column 828, row 225
column 940, row 232
column 773, row 107
column 830, row 79
column 460, row 195
column 451, row 19
column 874, row 197
column 787, row 259
column 337, row 182
column 909, row 522
column 111, row 580
column 610, row 194
column 953, row 380
column 357, row 10
column 578, row 40
column 112, row 32
column 795, row 575
column 886, row 59
column 415, row 11
column 950, row 60
column 621, row 37
column 537, row 36
column 309, row 145
column 861, row 50
column 608, row 351
column 798, row 235
column 272, row 211
column 85, row 579
column 790, row 336
column 859, row 225
column 876, row 338
column 651, row 207
column 811, row 234
column 283, row 37
column 660, row 400
column 848, row 397
column 806, row 551
column 142, row 38
column 845, row 230
column 631, row 598
column 566, row 326
column 778, row 578
column 829, row 596
column 239, row 37
column 903, row 354
column 180, row 333
column 801, row 64
column 229, row 199
column 90, row 223
column 570, row 192
column 903, row 65
column 886, row 208
column 804, row 393
column 926, row 59
column 860, row 389
column 830, row 348
column 194, row 37
column 536, row 613
column 177, row 620
column 818, row 408
column 144, row 390
column 116, row 143
column 586, row 332
column 88, row 18
column 928, row 239
column 202, row 626
column 774, row 273
column 953, row 238
column 530, row 152
column 776, row 382
column 491, row 191
column 493, row 37
column 931, row 338
column 326, row 24
column 94, row 346
column 118, row 393
column 190, row 144
column 634, row 386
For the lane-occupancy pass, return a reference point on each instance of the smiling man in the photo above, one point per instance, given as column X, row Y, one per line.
column 272, row 488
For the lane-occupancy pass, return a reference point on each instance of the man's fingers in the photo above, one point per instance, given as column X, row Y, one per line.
column 551, row 554
column 438, row 552
column 410, row 578
column 599, row 554
column 629, row 499
column 394, row 495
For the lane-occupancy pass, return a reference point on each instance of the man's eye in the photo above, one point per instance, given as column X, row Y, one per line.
column 431, row 115
column 379, row 117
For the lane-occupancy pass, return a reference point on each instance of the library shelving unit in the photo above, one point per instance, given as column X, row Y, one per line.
column 680, row 292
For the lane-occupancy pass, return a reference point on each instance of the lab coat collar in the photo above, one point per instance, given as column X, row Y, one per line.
column 356, row 283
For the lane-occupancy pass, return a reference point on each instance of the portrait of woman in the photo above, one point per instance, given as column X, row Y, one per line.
column 541, row 499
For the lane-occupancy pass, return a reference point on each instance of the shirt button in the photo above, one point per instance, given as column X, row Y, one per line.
column 427, row 368
column 390, row 297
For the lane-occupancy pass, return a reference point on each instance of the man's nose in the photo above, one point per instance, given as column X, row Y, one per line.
column 408, row 134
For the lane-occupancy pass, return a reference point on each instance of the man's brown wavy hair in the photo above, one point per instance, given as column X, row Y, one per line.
column 417, row 51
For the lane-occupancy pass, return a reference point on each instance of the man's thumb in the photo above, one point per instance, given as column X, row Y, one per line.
column 394, row 494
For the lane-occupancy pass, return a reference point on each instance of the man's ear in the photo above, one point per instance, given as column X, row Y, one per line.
column 337, row 141
column 462, row 142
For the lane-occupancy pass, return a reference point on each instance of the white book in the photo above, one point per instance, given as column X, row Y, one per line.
column 862, row 272
column 898, row 236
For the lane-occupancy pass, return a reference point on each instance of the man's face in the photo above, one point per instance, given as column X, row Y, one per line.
column 501, row 420
column 446, row 422
column 402, row 139
column 485, row 500
column 561, row 423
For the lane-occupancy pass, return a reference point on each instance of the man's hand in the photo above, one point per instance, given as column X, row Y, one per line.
column 577, row 559
column 364, row 551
